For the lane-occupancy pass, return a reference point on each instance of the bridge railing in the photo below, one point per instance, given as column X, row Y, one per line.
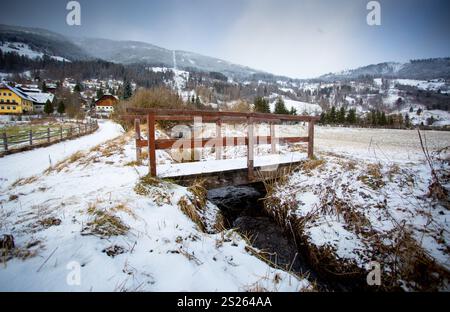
column 218, row 142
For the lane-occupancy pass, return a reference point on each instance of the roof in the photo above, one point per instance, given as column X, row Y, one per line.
column 104, row 97
column 41, row 98
column 18, row 92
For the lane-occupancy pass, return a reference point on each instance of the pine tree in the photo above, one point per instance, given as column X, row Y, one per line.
column 383, row 120
column 351, row 116
column 341, row 115
column 332, row 118
column 61, row 108
column 48, row 108
column 261, row 105
column 127, row 91
column 100, row 93
column 280, row 107
column 77, row 88
column 293, row 111
column 407, row 121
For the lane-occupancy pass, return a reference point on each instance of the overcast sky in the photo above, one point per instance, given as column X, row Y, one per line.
column 296, row 38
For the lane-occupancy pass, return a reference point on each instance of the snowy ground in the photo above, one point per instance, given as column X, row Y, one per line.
column 368, row 198
column 81, row 226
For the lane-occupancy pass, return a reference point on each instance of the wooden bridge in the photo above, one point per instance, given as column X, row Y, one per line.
column 221, row 171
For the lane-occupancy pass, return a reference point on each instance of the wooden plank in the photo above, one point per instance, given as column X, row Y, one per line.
column 219, row 140
column 163, row 113
column 311, row 140
column 273, row 143
column 137, row 129
column 151, row 144
column 226, row 141
column 250, row 149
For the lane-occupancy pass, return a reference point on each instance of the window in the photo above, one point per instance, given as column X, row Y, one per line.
column 9, row 94
column 14, row 108
column 7, row 101
column 3, row 107
column 7, row 107
column 1, row 101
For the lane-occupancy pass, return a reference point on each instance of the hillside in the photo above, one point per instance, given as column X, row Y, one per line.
column 416, row 69
column 42, row 42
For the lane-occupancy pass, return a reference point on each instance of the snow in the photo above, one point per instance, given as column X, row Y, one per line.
column 300, row 107
column 173, row 170
column 34, row 162
column 24, row 49
column 426, row 85
column 163, row 249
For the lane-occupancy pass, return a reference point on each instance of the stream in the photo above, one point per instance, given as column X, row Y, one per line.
column 242, row 207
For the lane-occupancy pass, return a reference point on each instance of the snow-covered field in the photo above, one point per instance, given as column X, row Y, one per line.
column 79, row 223
column 386, row 145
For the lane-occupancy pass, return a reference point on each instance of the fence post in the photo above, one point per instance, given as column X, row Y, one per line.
column 61, row 132
column 273, row 141
column 85, row 128
column 219, row 140
column 79, row 130
column 137, row 128
column 311, row 139
column 250, row 149
column 5, row 142
column 48, row 135
column 151, row 144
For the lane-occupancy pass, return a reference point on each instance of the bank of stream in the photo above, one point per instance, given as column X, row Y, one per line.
column 243, row 210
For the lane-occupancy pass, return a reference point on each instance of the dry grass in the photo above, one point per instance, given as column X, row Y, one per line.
column 373, row 178
column 104, row 224
column 49, row 222
column 143, row 187
column 190, row 210
column 24, row 181
column 311, row 164
column 199, row 191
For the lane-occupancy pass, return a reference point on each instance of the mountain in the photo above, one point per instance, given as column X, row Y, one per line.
column 36, row 42
column 415, row 69
column 40, row 42
column 132, row 52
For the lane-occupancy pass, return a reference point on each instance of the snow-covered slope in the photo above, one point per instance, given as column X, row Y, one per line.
column 84, row 225
column 24, row 49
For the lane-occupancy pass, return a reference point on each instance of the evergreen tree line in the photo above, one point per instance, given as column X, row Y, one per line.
column 261, row 105
column 374, row 118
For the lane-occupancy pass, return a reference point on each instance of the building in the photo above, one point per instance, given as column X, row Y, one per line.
column 39, row 98
column 105, row 105
column 14, row 101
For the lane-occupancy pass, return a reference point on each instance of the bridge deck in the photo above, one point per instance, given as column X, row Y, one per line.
column 227, row 171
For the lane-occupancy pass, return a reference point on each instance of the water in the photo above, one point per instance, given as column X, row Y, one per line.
column 242, row 208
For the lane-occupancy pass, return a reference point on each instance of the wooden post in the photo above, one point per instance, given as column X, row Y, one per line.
column 151, row 144
column 61, row 133
column 219, row 139
column 31, row 137
column 250, row 149
column 48, row 135
column 311, row 139
column 273, row 142
column 5, row 142
column 137, row 128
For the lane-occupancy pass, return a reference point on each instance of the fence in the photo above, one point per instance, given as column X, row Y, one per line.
column 29, row 139
column 218, row 142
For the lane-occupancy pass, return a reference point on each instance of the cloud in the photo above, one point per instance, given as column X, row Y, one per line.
column 293, row 38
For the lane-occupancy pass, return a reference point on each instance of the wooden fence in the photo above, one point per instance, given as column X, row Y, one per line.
column 29, row 139
column 218, row 142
